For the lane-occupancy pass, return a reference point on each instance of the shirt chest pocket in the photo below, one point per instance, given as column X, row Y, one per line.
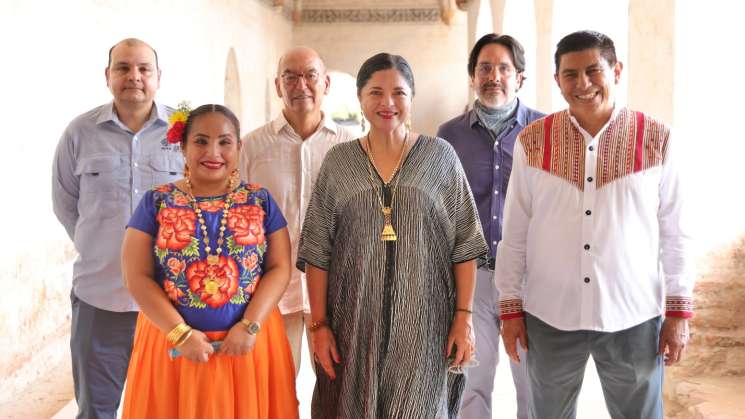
column 166, row 167
column 101, row 173
column 103, row 182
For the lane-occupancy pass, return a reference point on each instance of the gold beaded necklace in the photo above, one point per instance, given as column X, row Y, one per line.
column 212, row 259
column 388, row 233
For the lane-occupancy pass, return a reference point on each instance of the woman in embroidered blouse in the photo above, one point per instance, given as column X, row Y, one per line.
column 207, row 259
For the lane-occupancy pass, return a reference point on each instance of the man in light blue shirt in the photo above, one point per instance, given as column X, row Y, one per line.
column 105, row 161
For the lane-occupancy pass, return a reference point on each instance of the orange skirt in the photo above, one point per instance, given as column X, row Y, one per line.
column 259, row 385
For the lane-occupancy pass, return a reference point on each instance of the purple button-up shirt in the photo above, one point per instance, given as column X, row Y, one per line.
column 487, row 161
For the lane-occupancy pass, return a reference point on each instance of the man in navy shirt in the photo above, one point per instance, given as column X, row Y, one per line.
column 484, row 138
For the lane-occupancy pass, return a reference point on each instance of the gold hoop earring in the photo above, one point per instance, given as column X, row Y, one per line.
column 187, row 172
column 407, row 124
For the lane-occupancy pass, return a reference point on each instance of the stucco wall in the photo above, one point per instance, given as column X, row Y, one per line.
column 54, row 55
column 437, row 53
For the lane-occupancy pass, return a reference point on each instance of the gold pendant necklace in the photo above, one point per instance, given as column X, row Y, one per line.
column 388, row 233
column 212, row 259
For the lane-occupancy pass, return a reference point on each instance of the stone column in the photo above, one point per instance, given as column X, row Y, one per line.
column 650, row 67
column 497, row 15
column 479, row 24
column 544, row 77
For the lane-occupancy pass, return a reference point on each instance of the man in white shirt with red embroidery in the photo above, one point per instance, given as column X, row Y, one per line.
column 285, row 156
column 594, row 209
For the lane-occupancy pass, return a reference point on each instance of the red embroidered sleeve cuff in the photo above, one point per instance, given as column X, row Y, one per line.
column 511, row 309
column 679, row 307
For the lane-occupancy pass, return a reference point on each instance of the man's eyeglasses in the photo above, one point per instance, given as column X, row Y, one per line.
column 485, row 69
column 291, row 79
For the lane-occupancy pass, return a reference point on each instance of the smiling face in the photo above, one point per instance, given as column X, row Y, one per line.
column 386, row 100
column 495, row 78
column 211, row 149
column 132, row 76
column 301, row 81
column 587, row 83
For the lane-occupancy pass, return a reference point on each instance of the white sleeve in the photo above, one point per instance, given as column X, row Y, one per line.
column 510, row 263
column 675, row 235
column 65, row 185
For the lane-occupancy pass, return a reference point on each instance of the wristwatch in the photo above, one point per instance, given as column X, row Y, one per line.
column 251, row 327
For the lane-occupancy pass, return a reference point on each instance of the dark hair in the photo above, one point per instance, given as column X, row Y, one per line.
column 384, row 61
column 205, row 109
column 515, row 48
column 582, row 40
column 132, row 42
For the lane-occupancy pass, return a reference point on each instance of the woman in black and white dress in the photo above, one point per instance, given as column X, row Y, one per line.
column 389, row 245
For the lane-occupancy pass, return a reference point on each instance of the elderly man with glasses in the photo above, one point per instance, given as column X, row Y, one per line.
column 285, row 156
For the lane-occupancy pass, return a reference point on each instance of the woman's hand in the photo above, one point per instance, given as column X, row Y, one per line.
column 238, row 341
column 324, row 350
column 197, row 348
column 461, row 335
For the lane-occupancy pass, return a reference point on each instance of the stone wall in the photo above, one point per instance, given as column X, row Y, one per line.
column 710, row 381
column 53, row 70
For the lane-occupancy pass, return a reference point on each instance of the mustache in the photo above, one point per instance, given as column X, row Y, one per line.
column 490, row 85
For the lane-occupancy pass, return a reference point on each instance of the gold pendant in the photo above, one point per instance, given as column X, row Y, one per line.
column 212, row 259
column 388, row 234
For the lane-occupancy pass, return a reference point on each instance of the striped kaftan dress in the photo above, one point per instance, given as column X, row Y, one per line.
column 390, row 304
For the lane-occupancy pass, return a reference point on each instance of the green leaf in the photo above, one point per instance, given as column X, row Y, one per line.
column 192, row 250
column 194, row 301
column 238, row 298
column 233, row 249
column 161, row 253
column 261, row 249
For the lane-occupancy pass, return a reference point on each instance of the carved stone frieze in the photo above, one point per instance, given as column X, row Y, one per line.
column 408, row 15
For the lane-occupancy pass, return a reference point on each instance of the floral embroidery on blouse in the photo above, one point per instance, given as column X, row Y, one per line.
column 188, row 279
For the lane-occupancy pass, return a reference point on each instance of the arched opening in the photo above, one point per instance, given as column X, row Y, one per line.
column 342, row 103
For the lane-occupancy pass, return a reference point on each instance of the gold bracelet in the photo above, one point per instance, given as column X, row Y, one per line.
column 319, row 324
column 184, row 338
column 177, row 333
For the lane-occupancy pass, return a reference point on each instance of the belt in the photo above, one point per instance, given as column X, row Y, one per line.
column 486, row 264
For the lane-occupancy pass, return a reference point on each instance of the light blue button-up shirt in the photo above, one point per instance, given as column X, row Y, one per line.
column 101, row 171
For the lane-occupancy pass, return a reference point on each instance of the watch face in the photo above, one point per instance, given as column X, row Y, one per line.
column 253, row 328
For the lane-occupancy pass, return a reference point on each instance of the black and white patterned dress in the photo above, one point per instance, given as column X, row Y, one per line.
column 390, row 304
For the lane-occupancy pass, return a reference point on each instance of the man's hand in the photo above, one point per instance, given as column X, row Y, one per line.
column 512, row 331
column 673, row 339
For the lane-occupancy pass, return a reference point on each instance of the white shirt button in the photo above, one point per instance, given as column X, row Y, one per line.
column 496, row 192
column 137, row 164
column 494, row 243
column 494, row 217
